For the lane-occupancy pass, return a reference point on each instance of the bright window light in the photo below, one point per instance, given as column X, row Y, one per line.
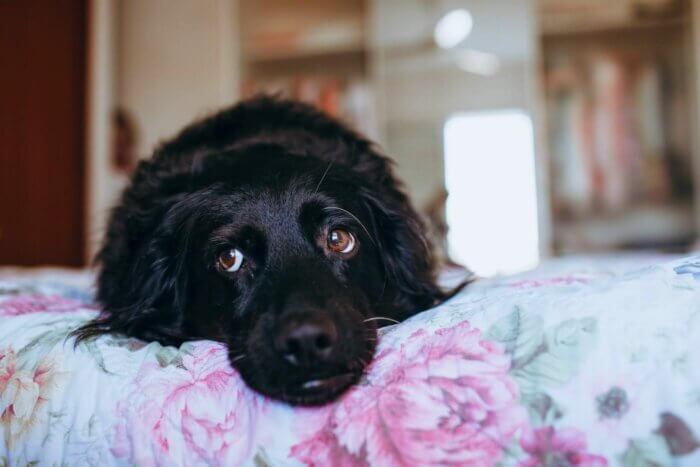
column 453, row 28
column 492, row 204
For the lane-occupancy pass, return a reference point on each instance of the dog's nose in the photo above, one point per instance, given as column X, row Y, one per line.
column 305, row 343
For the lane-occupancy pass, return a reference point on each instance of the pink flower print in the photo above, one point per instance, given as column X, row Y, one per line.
column 553, row 281
column 194, row 412
column 440, row 399
column 23, row 394
column 24, row 304
column 565, row 447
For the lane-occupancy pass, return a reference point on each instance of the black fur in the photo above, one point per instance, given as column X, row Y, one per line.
column 266, row 176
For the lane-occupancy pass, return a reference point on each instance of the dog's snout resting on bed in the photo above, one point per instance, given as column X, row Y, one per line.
column 277, row 230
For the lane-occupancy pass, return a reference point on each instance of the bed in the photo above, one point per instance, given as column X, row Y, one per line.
column 585, row 362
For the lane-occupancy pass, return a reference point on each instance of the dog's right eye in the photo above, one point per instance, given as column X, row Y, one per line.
column 230, row 260
column 341, row 241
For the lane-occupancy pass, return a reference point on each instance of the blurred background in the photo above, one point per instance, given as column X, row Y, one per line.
column 523, row 129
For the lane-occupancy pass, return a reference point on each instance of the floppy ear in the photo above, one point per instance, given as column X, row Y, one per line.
column 143, row 284
column 404, row 252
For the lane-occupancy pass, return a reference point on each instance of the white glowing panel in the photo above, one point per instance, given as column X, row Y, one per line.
column 492, row 203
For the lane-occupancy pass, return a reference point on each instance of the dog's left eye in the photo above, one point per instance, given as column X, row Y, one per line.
column 341, row 241
column 230, row 260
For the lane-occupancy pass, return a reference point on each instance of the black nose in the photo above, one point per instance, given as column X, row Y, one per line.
column 307, row 342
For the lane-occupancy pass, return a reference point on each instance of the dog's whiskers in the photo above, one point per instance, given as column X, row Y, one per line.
column 356, row 219
column 323, row 177
column 376, row 318
column 240, row 357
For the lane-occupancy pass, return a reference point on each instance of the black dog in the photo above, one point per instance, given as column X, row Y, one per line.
column 277, row 230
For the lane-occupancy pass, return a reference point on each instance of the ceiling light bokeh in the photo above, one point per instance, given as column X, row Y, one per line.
column 453, row 28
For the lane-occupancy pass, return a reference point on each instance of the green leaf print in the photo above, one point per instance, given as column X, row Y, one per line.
column 45, row 342
column 542, row 409
column 187, row 348
column 543, row 359
column 261, row 459
column 521, row 333
column 167, row 356
column 565, row 347
column 648, row 452
column 94, row 350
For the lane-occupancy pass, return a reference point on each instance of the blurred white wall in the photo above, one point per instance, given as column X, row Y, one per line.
column 166, row 62
column 101, row 97
column 177, row 61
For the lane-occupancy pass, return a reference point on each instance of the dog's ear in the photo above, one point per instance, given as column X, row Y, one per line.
column 143, row 283
column 404, row 251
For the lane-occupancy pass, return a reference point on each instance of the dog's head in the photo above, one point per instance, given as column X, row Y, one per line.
column 289, row 256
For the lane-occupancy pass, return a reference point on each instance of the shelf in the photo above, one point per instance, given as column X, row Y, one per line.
column 644, row 225
column 612, row 28
column 319, row 53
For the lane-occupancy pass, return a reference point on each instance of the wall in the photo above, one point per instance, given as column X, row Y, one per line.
column 166, row 62
column 102, row 53
column 177, row 62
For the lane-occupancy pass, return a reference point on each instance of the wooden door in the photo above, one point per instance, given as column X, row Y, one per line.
column 42, row 94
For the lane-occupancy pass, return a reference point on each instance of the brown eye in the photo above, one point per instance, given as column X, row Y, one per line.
column 230, row 260
column 341, row 241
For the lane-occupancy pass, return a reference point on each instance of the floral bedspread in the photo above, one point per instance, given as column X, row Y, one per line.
column 578, row 363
